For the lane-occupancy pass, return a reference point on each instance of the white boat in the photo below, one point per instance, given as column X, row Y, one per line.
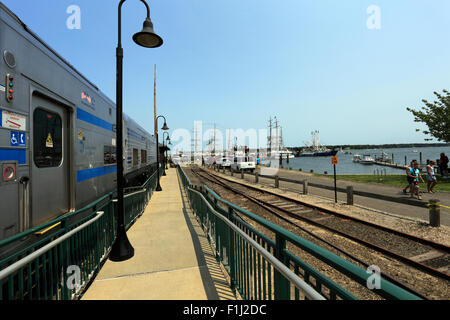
column 367, row 159
column 356, row 158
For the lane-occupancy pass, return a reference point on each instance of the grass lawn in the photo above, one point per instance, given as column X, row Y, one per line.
column 392, row 180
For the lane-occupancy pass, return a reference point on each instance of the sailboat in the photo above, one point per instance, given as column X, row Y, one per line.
column 277, row 148
column 315, row 149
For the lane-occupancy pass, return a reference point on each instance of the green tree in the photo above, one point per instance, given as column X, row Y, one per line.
column 436, row 116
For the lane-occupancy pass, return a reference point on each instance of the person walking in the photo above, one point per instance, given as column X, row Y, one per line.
column 431, row 178
column 409, row 178
column 414, row 187
column 443, row 164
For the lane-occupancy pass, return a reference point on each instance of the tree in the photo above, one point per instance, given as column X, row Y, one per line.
column 436, row 116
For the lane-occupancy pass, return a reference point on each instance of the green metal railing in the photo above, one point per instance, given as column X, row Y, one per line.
column 58, row 259
column 251, row 274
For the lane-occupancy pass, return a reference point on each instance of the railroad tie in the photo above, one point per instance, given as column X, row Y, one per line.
column 432, row 254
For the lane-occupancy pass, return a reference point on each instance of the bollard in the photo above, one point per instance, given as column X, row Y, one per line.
column 242, row 173
column 325, row 172
column 312, row 171
column 277, row 182
column 435, row 213
column 256, row 177
column 299, row 169
column 305, row 186
column 350, row 195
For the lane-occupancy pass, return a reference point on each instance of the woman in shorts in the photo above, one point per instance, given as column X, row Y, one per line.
column 431, row 178
column 415, row 173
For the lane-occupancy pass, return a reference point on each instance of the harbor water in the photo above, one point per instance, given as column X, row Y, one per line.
column 347, row 166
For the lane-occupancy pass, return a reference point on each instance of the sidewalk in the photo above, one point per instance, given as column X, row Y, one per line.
column 172, row 260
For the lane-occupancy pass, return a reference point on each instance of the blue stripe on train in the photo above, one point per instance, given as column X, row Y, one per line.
column 13, row 154
column 96, row 121
column 87, row 174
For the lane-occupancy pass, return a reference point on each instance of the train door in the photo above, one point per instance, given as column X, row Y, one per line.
column 50, row 158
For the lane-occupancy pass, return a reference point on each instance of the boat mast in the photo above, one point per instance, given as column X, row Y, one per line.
column 270, row 137
column 276, row 137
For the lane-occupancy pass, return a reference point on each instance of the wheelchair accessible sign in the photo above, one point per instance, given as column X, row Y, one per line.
column 18, row 139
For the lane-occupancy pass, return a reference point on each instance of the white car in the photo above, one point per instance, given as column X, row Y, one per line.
column 243, row 163
column 224, row 163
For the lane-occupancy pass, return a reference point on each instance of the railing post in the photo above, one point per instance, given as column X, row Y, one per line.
column 277, row 182
column 256, row 177
column 242, row 173
column 231, row 172
column 435, row 213
column 350, row 195
column 305, row 186
column 231, row 251
column 281, row 285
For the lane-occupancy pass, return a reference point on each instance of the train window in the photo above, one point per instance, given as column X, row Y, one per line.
column 109, row 155
column 143, row 156
column 135, row 157
column 47, row 139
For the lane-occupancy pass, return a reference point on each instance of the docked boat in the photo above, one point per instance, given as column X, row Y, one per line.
column 367, row 159
column 315, row 149
column 356, row 158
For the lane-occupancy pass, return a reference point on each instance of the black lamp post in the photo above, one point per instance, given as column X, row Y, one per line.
column 166, row 147
column 165, row 127
column 122, row 249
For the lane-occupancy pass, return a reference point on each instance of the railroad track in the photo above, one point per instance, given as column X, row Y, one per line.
column 428, row 256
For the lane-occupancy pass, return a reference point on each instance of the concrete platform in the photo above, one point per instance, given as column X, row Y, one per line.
column 172, row 261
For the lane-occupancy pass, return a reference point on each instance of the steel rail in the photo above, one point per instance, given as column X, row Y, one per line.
column 283, row 269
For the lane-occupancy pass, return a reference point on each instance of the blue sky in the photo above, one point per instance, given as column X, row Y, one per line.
column 313, row 64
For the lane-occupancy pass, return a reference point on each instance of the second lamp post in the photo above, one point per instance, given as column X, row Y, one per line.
column 165, row 127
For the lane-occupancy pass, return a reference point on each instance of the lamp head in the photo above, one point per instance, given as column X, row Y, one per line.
column 147, row 37
column 165, row 127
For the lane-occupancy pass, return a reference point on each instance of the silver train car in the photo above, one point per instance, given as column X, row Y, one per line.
column 57, row 134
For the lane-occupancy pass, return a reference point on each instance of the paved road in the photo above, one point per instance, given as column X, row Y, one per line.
column 382, row 205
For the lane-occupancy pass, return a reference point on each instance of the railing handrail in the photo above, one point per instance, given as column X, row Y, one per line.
column 24, row 261
column 132, row 194
column 277, row 264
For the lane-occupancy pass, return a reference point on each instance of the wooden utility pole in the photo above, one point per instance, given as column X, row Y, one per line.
column 154, row 104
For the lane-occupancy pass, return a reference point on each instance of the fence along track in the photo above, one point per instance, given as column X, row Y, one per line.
column 351, row 256
column 439, row 254
column 388, row 290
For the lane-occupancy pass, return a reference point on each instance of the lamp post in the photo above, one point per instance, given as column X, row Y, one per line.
column 122, row 249
column 165, row 127
column 166, row 147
